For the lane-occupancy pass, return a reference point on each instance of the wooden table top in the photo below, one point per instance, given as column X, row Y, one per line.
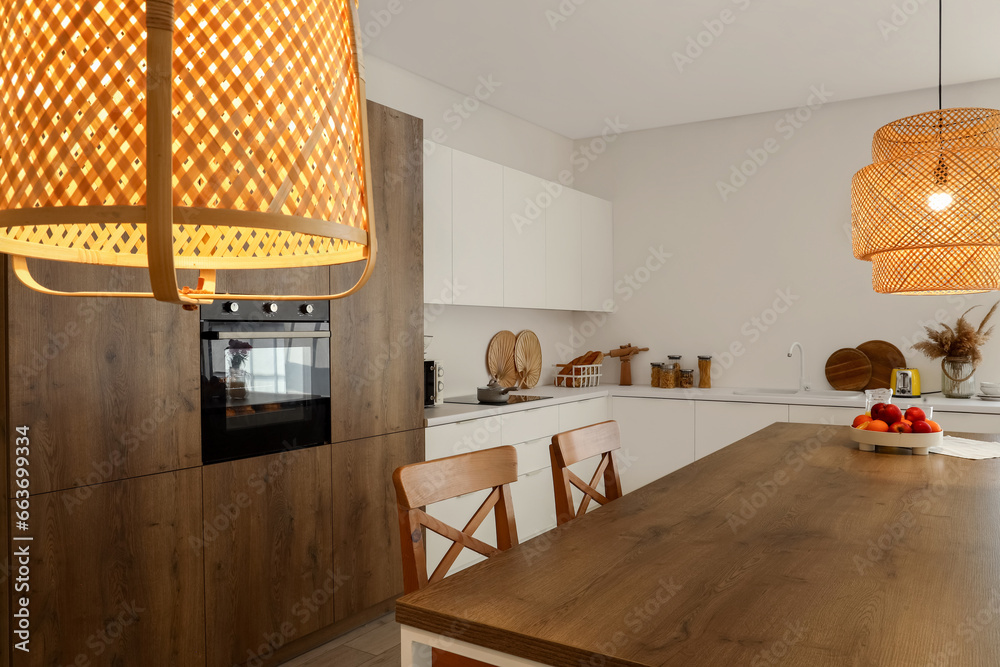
column 788, row 547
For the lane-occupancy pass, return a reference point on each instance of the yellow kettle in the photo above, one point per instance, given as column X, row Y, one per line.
column 905, row 382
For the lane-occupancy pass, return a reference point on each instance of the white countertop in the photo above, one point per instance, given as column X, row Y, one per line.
column 447, row 413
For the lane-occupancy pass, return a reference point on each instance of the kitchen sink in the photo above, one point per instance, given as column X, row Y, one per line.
column 839, row 395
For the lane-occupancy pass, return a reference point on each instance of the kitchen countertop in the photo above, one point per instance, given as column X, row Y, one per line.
column 447, row 413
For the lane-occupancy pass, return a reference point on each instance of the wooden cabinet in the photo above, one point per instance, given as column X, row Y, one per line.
column 437, row 225
column 597, row 228
column 564, row 252
column 268, row 544
column 477, row 231
column 367, row 554
column 116, row 577
column 109, row 387
column 524, row 259
column 719, row 424
column 657, row 438
column 377, row 334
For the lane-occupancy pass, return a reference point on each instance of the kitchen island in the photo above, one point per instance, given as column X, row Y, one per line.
column 789, row 545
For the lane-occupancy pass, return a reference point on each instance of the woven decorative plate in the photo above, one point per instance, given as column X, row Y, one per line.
column 528, row 358
column 500, row 358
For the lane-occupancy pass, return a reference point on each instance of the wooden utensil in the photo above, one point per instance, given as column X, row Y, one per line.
column 500, row 358
column 884, row 357
column 528, row 358
column 848, row 369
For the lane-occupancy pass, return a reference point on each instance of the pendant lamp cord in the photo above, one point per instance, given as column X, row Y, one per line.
column 940, row 51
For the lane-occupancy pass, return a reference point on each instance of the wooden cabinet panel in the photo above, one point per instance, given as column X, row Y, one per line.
column 367, row 554
column 437, row 225
column 523, row 240
column 719, row 425
column 116, row 578
column 268, row 541
column 597, row 225
column 377, row 356
column 109, row 387
column 657, row 438
column 477, row 230
column 563, row 252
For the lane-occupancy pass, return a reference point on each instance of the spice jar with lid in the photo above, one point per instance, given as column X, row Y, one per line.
column 687, row 378
column 705, row 372
column 655, row 372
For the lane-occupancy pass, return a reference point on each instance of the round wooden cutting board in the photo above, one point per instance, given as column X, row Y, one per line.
column 848, row 369
column 528, row 358
column 500, row 358
column 883, row 357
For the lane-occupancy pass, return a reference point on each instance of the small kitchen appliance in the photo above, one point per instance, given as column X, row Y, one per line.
column 905, row 383
column 433, row 383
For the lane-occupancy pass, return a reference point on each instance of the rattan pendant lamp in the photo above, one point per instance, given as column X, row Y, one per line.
column 229, row 134
column 926, row 212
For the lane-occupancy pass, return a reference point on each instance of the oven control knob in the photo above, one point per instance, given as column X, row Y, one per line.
column 270, row 308
column 440, row 386
column 231, row 307
column 440, row 371
column 306, row 309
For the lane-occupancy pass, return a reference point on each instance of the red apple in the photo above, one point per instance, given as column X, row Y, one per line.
column 915, row 414
column 922, row 427
column 877, row 410
column 891, row 414
column 901, row 427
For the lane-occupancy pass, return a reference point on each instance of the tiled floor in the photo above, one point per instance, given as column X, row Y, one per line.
column 372, row 645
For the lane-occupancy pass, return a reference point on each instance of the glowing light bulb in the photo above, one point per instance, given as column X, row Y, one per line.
column 939, row 201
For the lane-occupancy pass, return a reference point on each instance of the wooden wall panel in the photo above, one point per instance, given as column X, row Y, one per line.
column 304, row 281
column 366, row 534
column 109, row 387
column 116, row 579
column 377, row 375
column 268, row 553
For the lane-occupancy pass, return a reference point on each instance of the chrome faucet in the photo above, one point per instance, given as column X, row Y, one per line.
column 803, row 385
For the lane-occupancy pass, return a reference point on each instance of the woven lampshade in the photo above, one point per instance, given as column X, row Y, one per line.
column 230, row 135
column 914, row 248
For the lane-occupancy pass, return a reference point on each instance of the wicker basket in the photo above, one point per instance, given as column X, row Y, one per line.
column 585, row 375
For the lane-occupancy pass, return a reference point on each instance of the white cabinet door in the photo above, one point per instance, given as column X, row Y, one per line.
column 967, row 422
column 814, row 414
column 472, row 435
column 582, row 413
column 437, row 225
column 534, row 503
column 523, row 240
column 477, row 230
column 657, row 438
column 598, row 243
column 563, row 252
column 720, row 424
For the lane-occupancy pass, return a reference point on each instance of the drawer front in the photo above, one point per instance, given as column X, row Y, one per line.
column 529, row 425
column 462, row 437
column 534, row 504
column 532, row 456
column 583, row 413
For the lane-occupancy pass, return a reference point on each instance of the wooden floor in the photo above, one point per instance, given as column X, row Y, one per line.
column 372, row 645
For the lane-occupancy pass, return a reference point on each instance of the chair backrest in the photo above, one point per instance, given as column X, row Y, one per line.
column 421, row 484
column 570, row 447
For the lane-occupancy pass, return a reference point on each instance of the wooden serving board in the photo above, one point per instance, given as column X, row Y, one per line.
column 884, row 357
column 848, row 369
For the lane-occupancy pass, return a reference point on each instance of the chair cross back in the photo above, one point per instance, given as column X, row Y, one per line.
column 421, row 484
column 570, row 447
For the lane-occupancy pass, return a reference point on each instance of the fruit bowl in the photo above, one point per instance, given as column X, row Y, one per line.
column 917, row 442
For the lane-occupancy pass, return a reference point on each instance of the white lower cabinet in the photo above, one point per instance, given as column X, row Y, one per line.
column 816, row 414
column 657, row 438
column 583, row 413
column 967, row 422
column 534, row 503
column 718, row 424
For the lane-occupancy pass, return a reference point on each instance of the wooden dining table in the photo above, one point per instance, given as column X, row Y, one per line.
column 789, row 547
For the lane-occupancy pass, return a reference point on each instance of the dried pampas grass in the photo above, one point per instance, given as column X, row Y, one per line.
column 963, row 340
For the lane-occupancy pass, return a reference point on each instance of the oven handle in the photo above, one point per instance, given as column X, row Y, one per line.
column 221, row 335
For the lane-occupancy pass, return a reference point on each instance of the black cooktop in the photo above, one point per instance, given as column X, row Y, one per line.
column 514, row 399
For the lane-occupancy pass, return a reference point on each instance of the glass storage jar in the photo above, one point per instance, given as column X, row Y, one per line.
column 687, row 378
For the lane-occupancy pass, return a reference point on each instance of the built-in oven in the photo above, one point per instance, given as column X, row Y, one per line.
column 265, row 378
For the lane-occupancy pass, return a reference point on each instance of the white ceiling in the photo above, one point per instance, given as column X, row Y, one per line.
column 615, row 57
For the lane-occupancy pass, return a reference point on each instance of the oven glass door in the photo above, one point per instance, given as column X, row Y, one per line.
column 264, row 390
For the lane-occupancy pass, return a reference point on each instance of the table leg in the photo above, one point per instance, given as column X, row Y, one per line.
column 415, row 648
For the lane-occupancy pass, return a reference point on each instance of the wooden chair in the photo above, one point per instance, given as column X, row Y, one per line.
column 421, row 484
column 570, row 447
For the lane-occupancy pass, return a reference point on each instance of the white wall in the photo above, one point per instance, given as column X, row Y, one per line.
column 462, row 333
column 786, row 230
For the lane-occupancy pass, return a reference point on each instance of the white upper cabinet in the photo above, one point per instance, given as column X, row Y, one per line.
column 477, row 230
column 598, row 253
column 437, row 225
column 495, row 236
column 564, row 252
column 523, row 240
